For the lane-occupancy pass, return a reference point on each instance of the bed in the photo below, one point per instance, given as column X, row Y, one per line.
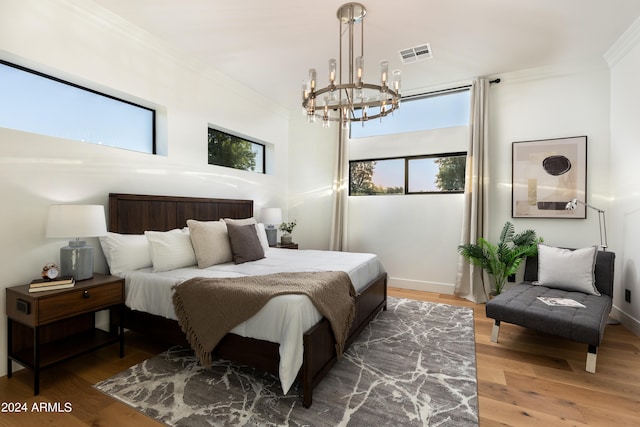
column 135, row 214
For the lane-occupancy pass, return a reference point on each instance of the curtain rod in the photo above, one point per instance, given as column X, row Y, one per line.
column 441, row 91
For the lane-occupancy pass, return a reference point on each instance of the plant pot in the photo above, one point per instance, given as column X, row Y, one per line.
column 286, row 239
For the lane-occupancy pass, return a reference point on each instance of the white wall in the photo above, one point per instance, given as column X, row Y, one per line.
column 624, row 219
column 415, row 236
column 543, row 104
column 312, row 158
column 94, row 48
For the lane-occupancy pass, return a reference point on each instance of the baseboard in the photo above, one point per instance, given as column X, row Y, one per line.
column 418, row 285
column 626, row 320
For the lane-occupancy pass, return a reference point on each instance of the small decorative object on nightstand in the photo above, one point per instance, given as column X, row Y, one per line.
column 45, row 328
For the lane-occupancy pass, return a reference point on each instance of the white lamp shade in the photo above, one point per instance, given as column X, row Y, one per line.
column 73, row 221
column 271, row 216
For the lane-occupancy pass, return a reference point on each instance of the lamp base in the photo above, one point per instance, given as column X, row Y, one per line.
column 272, row 235
column 77, row 260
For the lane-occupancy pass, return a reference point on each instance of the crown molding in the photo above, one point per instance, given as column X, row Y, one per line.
column 629, row 39
column 553, row 71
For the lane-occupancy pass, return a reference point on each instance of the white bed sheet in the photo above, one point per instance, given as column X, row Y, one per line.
column 283, row 319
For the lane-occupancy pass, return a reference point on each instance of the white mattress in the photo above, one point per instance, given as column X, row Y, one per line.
column 283, row 320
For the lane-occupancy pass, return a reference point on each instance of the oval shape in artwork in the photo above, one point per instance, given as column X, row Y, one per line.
column 556, row 165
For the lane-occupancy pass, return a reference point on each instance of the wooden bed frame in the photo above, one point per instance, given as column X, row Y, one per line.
column 134, row 214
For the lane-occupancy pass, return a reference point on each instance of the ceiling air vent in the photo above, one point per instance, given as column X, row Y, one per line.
column 417, row 53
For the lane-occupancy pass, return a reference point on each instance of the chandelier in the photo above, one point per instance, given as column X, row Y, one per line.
column 347, row 98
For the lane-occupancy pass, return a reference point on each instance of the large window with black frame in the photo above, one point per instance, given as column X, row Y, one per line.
column 427, row 174
column 31, row 101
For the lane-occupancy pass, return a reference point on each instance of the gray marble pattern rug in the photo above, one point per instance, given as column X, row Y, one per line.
column 414, row 365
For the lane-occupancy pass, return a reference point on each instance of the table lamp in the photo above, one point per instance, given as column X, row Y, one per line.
column 601, row 220
column 75, row 221
column 271, row 218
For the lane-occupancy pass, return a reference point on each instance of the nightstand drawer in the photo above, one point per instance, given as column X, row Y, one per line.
column 80, row 301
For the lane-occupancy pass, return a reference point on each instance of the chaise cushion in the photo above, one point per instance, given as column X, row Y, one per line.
column 520, row 305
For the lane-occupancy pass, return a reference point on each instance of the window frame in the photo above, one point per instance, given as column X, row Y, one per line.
column 98, row 93
column 243, row 138
column 406, row 173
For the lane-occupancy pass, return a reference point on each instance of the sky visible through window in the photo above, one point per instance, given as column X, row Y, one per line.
column 422, row 175
column 433, row 112
column 389, row 173
column 32, row 103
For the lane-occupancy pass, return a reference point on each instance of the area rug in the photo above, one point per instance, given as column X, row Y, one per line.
column 414, row 365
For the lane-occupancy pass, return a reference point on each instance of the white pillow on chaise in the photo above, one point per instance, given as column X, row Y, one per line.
column 571, row 270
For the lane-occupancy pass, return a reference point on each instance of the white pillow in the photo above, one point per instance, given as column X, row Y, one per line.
column 170, row 250
column 571, row 270
column 210, row 242
column 260, row 231
column 126, row 252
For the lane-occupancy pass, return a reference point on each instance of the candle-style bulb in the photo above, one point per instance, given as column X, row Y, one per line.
column 397, row 76
column 312, row 79
column 384, row 72
column 332, row 71
column 359, row 69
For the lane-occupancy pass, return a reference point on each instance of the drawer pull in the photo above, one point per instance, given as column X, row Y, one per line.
column 85, row 295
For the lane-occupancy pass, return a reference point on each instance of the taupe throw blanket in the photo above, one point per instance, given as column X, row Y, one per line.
column 208, row 308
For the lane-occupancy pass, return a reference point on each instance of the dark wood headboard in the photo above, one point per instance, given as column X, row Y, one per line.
column 137, row 213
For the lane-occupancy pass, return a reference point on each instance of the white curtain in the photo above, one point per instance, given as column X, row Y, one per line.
column 475, row 222
column 338, row 241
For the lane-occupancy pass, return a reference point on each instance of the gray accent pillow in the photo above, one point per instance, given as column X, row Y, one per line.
column 571, row 270
column 245, row 245
column 262, row 234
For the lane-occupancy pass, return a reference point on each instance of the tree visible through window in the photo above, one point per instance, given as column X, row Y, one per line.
column 441, row 173
column 235, row 152
column 385, row 176
column 451, row 172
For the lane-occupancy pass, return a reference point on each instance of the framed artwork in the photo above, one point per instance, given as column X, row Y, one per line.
column 546, row 175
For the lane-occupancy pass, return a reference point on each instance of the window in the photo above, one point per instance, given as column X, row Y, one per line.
column 440, row 173
column 235, row 152
column 425, row 112
column 443, row 173
column 34, row 102
column 370, row 177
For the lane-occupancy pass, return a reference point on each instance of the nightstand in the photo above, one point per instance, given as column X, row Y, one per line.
column 45, row 328
column 287, row 245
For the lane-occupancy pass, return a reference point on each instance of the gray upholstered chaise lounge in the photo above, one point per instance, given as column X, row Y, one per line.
column 519, row 305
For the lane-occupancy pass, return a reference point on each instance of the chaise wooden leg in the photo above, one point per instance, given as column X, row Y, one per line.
column 591, row 359
column 495, row 331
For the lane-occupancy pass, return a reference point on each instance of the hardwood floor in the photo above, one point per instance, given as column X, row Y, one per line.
column 527, row 379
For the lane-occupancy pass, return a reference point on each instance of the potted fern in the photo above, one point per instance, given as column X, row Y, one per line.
column 503, row 259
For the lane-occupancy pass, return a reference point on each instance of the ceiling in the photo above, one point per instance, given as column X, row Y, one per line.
column 269, row 45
